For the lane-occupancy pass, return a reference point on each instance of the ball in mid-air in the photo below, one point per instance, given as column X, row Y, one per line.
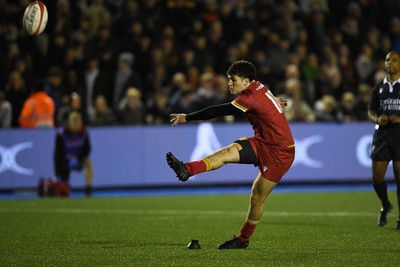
column 35, row 17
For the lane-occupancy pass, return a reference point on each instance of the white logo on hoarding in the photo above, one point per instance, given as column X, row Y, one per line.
column 363, row 150
column 207, row 141
column 8, row 158
column 302, row 156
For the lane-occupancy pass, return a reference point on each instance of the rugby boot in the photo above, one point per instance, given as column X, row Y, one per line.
column 397, row 227
column 382, row 219
column 178, row 167
column 235, row 243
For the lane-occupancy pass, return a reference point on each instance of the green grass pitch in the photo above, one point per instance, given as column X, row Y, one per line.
column 298, row 229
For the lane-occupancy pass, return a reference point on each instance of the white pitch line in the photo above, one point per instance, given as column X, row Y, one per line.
column 184, row 212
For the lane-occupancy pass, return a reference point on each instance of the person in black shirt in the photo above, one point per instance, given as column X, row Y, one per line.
column 384, row 111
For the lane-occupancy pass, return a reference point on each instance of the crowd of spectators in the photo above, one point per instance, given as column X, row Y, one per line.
column 133, row 62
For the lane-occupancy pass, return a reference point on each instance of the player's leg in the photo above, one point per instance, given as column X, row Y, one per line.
column 259, row 192
column 88, row 173
column 396, row 170
column 229, row 154
column 378, row 175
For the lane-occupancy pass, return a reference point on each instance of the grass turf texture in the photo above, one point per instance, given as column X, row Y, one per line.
column 298, row 229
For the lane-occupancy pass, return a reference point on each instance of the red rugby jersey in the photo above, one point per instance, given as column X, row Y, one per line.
column 265, row 114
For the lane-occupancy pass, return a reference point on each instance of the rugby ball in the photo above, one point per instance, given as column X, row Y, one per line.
column 35, row 18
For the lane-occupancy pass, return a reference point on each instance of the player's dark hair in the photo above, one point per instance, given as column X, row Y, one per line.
column 242, row 68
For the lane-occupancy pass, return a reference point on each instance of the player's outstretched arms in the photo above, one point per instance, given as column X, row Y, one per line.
column 178, row 118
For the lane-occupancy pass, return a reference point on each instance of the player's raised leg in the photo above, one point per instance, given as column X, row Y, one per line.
column 183, row 171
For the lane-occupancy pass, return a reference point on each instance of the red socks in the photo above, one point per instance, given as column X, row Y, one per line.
column 247, row 230
column 196, row 167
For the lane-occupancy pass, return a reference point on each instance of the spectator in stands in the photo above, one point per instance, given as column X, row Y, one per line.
column 5, row 112
column 157, row 79
column 124, row 78
column 16, row 93
column 297, row 108
column 362, row 102
column 40, row 56
column 95, row 82
column 207, row 94
column 23, row 66
column 346, row 65
column 72, row 82
column 385, row 44
column 97, row 15
column 309, row 72
column 103, row 46
column 317, row 30
column 131, row 110
column 54, row 87
column 158, row 109
column 75, row 104
column 352, row 34
column 38, row 110
column 364, row 63
column 185, row 99
column 395, row 33
column 193, row 76
column 101, row 114
column 326, row 109
column 178, row 81
column 335, row 85
column 346, row 108
column 72, row 151
column 278, row 54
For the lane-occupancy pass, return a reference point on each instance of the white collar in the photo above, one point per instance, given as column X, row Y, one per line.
column 387, row 81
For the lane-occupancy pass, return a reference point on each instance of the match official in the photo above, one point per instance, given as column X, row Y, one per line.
column 384, row 111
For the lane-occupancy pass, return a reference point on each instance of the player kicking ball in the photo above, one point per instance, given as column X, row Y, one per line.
column 271, row 148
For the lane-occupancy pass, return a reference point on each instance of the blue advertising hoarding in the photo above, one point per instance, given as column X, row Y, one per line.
column 135, row 156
